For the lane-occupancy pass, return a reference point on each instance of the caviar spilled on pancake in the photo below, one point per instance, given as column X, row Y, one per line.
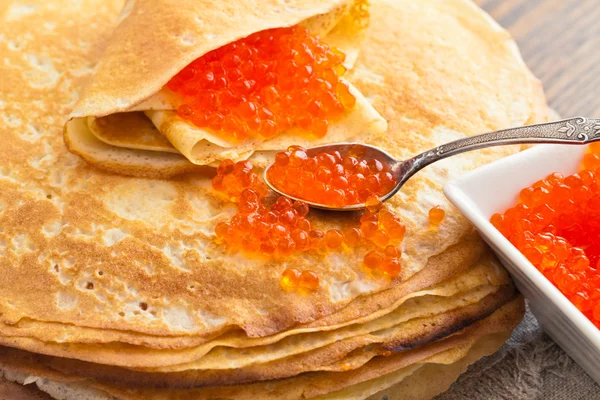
column 233, row 178
column 330, row 178
column 293, row 279
column 283, row 228
column 387, row 261
column 556, row 225
column 265, row 84
column 436, row 215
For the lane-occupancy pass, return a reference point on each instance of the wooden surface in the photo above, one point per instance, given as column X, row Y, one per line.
column 560, row 42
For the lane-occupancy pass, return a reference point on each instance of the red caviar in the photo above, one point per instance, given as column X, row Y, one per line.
column 303, row 281
column 290, row 278
column 233, row 178
column 385, row 262
column 283, row 228
column 556, row 225
column 280, row 229
column 436, row 215
column 308, row 281
column 265, row 84
column 331, row 178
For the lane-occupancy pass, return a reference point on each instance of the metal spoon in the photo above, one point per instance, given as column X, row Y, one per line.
column 578, row 130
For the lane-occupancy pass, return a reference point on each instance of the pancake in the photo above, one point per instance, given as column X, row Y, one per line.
column 142, row 163
column 449, row 266
column 345, row 20
column 124, row 129
column 484, row 278
column 374, row 376
column 192, row 30
column 152, row 239
column 117, row 279
column 10, row 390
column 446, row 308
column 433, row 379
column 343, row 355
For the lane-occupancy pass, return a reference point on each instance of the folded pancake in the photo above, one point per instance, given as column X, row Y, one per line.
column 121, row 98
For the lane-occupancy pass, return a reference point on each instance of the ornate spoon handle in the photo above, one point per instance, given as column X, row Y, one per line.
column 578, row 130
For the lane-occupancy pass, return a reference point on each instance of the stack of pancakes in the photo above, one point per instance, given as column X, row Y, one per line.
column 111, row 283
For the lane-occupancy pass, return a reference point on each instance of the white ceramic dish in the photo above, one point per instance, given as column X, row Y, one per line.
column 495, row 187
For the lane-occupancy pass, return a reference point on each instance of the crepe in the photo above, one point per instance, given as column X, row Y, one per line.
column 150, row 242
column 345, row 355
column 445, row 308
column 433, row 379
column 99, row 269
column 112, row 348
column 114, row 88
column 360, row 383
column 129, row 129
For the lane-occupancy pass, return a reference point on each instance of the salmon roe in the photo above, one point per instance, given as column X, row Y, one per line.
column 436, row 215
column 280, row 229
column 331, row 178
column 283, row 228
column 293, row 279
column 233, row 178
column 556, row 225
column 386, row 261
column 265, row 84
column 385, row 231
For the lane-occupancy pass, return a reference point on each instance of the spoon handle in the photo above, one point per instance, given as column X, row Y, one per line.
column 578, row 130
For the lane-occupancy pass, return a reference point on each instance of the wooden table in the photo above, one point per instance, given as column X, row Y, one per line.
column 560, row 42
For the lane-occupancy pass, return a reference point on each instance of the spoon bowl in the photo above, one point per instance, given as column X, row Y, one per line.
column 578, row 130
column 363, row 151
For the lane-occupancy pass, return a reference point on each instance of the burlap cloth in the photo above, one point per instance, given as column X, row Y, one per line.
column 529, row 366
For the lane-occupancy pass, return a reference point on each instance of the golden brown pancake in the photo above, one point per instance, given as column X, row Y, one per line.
column 170, row 44
column 122, row 128
column 152, row 240
column 423, row 317
column 96, row 264
column 344, row 20
column 343, row 355
column 374, row 376
column 164, row 355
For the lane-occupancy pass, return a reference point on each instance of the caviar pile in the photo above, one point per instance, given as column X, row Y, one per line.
column 556, row 225
column 283, row 228
column 280, row 229
column 264, row 84
column 386, row 261
column 330, row 178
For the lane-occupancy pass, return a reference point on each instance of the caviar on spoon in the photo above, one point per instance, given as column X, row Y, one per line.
column 348, row 176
